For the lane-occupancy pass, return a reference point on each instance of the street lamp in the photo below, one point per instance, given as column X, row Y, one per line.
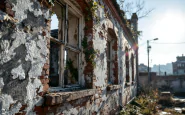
column 148, row 50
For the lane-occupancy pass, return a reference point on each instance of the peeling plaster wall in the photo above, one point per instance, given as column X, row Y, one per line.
column 103, row 102
column 23, row 53
column 99, row 40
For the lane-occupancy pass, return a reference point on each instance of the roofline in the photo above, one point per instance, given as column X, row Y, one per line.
column 116, row 15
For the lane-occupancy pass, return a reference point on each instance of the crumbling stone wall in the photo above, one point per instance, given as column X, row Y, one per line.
column 108, row 21
column 23, row 54
column 24, row 61
column 173, row 83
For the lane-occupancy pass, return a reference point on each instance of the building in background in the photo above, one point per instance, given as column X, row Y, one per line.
column 179, row 65
column 163, row 70
column 143, row 68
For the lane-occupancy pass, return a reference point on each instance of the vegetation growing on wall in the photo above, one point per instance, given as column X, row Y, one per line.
column 72, row 69
column 92, row 11
column 89, row 52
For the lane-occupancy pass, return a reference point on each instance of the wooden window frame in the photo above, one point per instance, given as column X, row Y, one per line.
column 69, row 8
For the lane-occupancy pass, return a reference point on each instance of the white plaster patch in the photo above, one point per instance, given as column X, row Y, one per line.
column 18, row 72
column 31, row 49
column 8, row 51
column 1, row 82
column 6, row 101
column 42, row 44
column 47, row 14
column 32, row 87
column 96, row 96
column 31, row 99
column 36, row 12
column 4, row 45
column 33, row 55
column 15, row 109
column 70, row 111
column 21, row 7
column 36, row 69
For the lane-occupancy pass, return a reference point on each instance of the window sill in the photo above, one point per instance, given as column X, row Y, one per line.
column 66, row 96
column 113, row 87
column 67, row 88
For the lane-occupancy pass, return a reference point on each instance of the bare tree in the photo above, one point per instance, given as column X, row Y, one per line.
column 138, row 6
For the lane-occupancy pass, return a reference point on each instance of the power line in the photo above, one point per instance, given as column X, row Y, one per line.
column 168, row 43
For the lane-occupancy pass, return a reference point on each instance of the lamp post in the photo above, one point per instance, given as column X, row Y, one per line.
column 148, row 50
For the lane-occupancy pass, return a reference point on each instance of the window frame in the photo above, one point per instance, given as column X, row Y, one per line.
column 64, row 44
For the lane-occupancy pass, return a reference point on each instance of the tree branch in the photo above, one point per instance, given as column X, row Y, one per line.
column 134, row 7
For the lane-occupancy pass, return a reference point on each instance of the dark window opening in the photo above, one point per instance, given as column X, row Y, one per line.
column 132, row 59
column 109, row 61
column 127, row 64
column 54, row 64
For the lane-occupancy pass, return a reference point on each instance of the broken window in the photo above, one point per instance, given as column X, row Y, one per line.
column 127, row 64
column 64, row 46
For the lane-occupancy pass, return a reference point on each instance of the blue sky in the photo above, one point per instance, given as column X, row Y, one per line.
column 166, row 22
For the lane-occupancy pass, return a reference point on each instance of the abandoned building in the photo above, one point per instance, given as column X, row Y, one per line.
column 179, row 65
column 87, row 65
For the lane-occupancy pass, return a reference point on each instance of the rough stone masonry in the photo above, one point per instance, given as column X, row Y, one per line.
column 23, row 53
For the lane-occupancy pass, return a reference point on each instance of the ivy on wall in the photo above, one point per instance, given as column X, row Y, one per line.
column 89, row 52
column 72, row 69
column 92, row 11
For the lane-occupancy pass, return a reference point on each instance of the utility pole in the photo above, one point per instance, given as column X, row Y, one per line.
column 148, row 51
column 159, row 69
column 148, row 61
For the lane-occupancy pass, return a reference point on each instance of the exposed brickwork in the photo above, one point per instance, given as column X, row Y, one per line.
column 21, row 111
column 82, row 102
column 40, row 110
column 88, row 30
column 45, row 71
